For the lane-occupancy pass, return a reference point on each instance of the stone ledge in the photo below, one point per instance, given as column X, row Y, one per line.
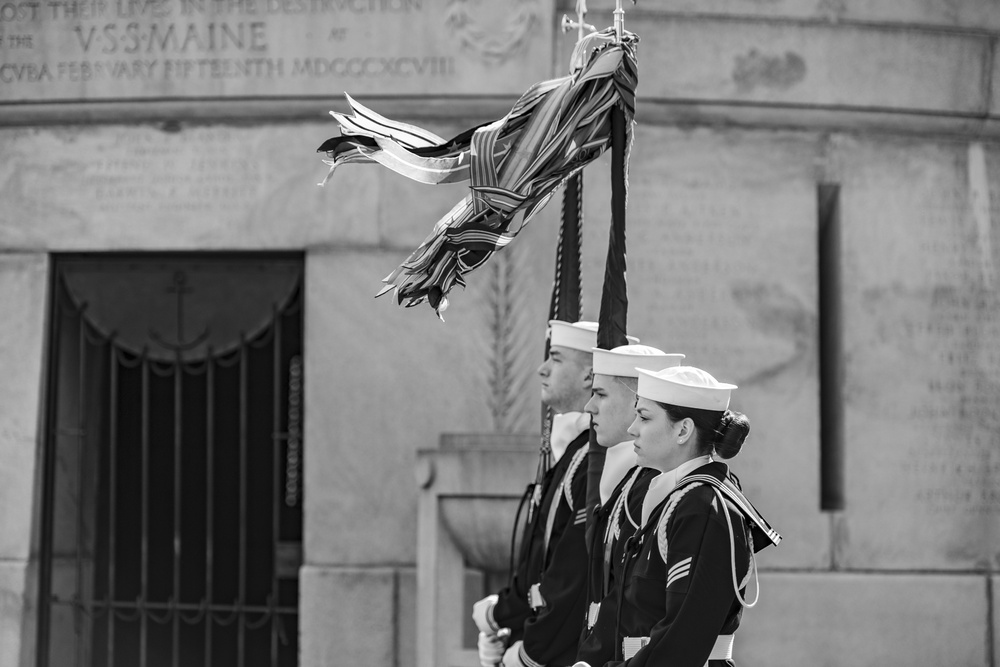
column 652, row 109
column 970, row 15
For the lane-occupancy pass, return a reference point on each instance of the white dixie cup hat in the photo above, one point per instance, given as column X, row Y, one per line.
column 622, row 360
column 576, row 335
column 685, row 386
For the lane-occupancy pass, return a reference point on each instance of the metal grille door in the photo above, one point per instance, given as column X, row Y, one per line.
column 172, row 523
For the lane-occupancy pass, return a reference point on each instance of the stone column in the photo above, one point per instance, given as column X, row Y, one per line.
column 23, row 279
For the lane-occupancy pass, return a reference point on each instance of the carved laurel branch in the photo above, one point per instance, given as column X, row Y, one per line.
column 508, row 374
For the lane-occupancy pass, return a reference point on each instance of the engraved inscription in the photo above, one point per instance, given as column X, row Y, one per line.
column 80, row 49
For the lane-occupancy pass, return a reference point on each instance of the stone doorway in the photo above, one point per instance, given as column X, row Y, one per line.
column 171, row 526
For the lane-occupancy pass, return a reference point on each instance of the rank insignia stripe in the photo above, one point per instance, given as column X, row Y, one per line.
column 678, row 575
column 686, row 563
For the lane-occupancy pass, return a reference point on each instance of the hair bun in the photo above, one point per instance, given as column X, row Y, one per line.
column 732, row 433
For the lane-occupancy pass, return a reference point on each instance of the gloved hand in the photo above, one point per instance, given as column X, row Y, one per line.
column 512, row 658
column 481, row 614
column 491, row 650
column 581, row 663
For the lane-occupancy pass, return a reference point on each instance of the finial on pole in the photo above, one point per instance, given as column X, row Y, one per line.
column 620, row 21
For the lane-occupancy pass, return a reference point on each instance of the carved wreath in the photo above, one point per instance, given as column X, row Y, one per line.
column 492, row 44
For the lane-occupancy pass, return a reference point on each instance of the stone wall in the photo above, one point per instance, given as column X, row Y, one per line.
column 744, row 108
column 723, row 267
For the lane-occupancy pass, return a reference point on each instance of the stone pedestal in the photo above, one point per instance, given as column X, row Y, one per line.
column 469, row 490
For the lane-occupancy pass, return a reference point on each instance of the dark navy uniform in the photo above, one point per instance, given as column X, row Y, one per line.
column 678, row 592
column 614, row 523
column 547, row 540
column 552, row 635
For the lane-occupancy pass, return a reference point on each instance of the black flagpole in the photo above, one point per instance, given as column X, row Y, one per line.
column 614, row 296
column 566, row 304
column 613, row 316
column 566, row 301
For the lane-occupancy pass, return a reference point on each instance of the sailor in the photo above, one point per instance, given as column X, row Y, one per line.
column 542, row 607
column 611, row 407
column 687, row 568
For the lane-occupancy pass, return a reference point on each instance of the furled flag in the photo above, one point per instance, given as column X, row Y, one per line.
column 513, row 164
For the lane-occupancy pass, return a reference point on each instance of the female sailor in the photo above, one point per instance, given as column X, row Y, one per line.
column 686, row 570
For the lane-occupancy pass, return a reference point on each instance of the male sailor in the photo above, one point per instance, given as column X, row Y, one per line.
column 612, row 409
column 543, row 606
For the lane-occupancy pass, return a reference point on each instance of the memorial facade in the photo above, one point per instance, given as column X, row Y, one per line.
column 823, row 174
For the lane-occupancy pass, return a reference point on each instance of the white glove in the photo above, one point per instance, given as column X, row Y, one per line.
column 581, row 663
column 481, row 614
column 490, row 650
column 512, row 658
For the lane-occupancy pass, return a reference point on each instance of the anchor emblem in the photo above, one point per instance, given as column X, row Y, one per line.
column 180, row 288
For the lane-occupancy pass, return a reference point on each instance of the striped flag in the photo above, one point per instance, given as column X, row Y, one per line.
column 513, row 164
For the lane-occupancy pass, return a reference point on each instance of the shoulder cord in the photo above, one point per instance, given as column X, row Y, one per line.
column 574, row 465
column 628, row 513
column 513, row 534
column 565, row 484
column 613, row 528
column 732, row 557
column 661, row 528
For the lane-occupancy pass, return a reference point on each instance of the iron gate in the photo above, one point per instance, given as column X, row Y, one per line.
column 172, row 524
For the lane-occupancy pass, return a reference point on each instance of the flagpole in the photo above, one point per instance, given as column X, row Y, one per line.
column 613, row 318
column 566, row 303
column 614, row 296
column 619, row 21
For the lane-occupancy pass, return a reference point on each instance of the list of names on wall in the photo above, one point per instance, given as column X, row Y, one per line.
column 736, row 295
column 135, row 178
column 924, row 363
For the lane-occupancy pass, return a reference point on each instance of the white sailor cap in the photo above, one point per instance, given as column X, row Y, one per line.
column 621, row 361
column 685, row 386
column 576, row 335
